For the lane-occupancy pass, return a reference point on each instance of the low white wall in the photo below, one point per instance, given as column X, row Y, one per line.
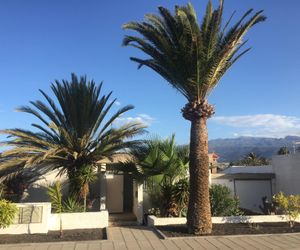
column 79, row 220
column 51, row 222
column 31, row 228
column 155, row 221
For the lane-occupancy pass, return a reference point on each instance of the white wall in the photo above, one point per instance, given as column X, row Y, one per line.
column 155, row 221
column 287, row 171
column 220, row 179
column 51, row 222
column 37, row 191
column 31, row 228
column 138, row 209
column 248, row 169
column 78, row 220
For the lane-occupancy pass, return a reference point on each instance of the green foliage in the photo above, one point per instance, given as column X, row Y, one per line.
column 162, row 165
column 290, row 205
column 181, row 195
column 251, row 159
column 60, row 205
column 8, row 212
column 71, row 205
column 74, row 130
column 222, row 202
column 283, row 151
column 191, row 56
column 55, row 194
column 159, row 161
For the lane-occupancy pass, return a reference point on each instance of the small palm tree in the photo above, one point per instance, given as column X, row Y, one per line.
column 75, row 131
column 161, row 164
column 86, row 176
column 55, row 194
column 192, row 57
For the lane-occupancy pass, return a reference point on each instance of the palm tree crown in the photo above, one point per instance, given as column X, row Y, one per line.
column 75, row 130
column 192, row 57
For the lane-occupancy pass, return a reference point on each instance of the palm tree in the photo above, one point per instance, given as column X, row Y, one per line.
column 86, row 177
column 252, row 159
column 192, row 57
column 158, row 158
column 162, row 165
column 74, row 133
column 283, row 151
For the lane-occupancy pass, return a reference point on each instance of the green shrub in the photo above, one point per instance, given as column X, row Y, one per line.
column 8, row 212
column 222, row 202
column 55, row 194
column 71, row 205
column 290, row 206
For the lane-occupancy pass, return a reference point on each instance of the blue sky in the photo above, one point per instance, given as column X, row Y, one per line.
column 46, row 40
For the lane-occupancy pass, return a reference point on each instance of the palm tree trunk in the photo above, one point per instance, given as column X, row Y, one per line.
column 199, row 213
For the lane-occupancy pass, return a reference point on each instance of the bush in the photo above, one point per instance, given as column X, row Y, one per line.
column 222, row 202
column 290, row 206
column 8, row 212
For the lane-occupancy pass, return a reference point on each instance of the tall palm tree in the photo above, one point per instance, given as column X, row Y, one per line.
column 75, row 131
column 192, row 57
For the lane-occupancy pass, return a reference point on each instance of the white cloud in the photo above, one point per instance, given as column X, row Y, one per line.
column 141, row 118
column 262, row 125
column 117, row 103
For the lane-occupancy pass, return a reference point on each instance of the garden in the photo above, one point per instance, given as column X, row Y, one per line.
column 75, row 127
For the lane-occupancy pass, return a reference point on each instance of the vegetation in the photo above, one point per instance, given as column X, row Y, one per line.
column 61, row 205
column 290, row 206
column 193, row 57
column 74, row 133
column 55, row 195
column 283, row 151
column 251, row 159
column 8, row 212
column 222, row 202
column 162, row 165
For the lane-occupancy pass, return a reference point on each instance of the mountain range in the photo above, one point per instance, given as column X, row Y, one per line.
column 233, row 149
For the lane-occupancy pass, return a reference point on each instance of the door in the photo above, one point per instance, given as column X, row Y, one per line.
column 251, row 192
column 114, row 200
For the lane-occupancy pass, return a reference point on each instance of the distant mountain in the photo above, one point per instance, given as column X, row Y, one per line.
column 235, row 148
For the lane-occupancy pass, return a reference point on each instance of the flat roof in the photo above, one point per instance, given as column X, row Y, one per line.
column 244, row 176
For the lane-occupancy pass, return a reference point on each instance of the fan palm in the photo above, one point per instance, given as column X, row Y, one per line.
column 161, row 159
column 74, row 133
column 192, row 57
column 161, row 164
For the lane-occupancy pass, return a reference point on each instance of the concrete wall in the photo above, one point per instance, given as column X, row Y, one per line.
column 51, row 222
column 248, row 170
column 37, row 192
column 287, row 171
column 78, row 220
column 155, row 221
column 217, row 179
column 138, row 209
column 31, row 228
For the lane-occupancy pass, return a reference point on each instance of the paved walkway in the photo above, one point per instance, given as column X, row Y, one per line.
column 144, row 238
